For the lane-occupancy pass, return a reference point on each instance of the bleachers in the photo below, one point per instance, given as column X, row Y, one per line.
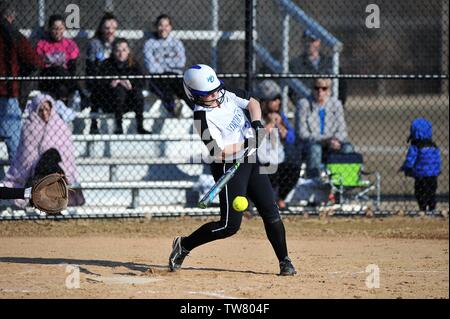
column 133, row 171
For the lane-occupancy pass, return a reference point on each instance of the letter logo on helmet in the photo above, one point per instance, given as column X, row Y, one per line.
column 200, row 80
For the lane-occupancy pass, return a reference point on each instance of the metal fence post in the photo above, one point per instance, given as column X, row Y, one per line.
column 285, row 56
column 215, row 28
column 250, row 23
column 41, row 13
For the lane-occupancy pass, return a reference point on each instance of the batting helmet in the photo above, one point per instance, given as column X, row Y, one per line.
column 201, row 80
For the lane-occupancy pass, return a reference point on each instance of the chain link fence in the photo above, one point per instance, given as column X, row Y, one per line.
column 100, row 82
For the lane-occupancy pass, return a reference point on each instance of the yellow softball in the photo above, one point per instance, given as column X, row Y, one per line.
column 240, row 203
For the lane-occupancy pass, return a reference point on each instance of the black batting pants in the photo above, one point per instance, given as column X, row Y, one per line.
column 249, row 182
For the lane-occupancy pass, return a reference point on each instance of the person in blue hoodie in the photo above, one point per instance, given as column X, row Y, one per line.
column 423, row 163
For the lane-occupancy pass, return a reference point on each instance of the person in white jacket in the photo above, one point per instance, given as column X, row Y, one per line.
column 165, row 54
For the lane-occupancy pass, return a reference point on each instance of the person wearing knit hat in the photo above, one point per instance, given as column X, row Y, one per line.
column 288, row 171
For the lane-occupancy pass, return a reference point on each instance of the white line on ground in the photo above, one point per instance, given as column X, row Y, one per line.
column 212, row 294
column 363, row 272
column 131, row 280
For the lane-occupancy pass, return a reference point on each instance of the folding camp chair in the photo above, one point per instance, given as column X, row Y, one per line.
column 346, row 173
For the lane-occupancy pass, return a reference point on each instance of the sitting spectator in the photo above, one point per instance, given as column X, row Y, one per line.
column 322, row 126
column 288, row 171
column 100, row 46
column 120, row 96
column 99, row 49
column 313, row 61
column 45, row 147
column 165, row 54
column 16, row 58
column 60, row 55
column 423, row 163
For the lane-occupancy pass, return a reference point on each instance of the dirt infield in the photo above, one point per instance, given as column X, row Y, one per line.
column 128, row 259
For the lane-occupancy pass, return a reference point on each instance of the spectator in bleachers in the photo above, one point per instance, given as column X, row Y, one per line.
column 100, row 46
column 98, row 50
column 322, row 126
column 45, row 147
column 17, row 58
column 314, row 61
column 60, row 56
column 121, row 96
column 165, row 54
column 288, row 171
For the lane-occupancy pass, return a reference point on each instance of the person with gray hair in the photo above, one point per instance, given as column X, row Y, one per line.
column 322, row 126
column 282, row 148
column 17, row 57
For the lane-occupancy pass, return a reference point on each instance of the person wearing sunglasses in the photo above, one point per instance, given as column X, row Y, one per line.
column 322, row 126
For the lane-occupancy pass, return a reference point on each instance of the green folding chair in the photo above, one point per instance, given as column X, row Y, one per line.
column 346, row 172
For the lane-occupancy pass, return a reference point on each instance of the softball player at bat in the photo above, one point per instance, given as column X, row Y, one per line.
column 227, row 124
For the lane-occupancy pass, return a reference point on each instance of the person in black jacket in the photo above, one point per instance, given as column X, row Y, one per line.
column 119, row 96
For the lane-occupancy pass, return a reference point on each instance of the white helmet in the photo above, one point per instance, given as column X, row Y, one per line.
column 201, row 80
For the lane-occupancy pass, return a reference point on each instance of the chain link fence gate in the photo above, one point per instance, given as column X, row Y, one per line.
column 124, row 133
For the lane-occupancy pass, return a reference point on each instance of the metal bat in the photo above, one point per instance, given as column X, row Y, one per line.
column 218, row 186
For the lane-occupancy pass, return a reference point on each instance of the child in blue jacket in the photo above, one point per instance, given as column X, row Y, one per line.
column 423, row 163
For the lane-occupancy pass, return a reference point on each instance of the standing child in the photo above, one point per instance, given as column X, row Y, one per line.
column 423, row 163
column 227, row 124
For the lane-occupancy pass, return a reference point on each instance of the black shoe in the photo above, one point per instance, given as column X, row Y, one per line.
column 286, row 267
column 177, row 255
column 141, row 130
column 94, row 128
column 118, row 130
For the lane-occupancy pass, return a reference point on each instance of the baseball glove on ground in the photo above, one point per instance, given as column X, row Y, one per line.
column 50, row 194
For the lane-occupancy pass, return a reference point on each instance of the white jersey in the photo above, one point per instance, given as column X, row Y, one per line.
column 225, row 125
